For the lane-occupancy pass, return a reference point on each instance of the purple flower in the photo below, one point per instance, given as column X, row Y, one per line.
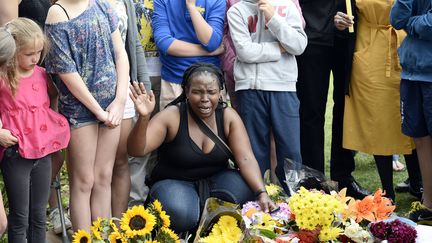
column 394, row 232
column 283, row 213
column 379, row 230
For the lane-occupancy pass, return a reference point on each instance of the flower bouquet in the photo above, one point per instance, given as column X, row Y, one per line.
column 315, row 216
column 396, row 230
column 138, row 224
column 220, row 222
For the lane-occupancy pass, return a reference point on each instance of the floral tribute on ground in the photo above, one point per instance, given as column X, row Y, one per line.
column 307, row 216
column 138, row 224
column 315, row 216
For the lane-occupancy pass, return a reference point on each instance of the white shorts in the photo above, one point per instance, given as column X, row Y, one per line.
column 129, row 110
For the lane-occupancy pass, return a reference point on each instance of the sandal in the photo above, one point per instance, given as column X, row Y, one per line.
column 398, row 166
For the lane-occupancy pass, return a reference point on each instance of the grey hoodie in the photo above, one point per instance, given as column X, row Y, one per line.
column 259, row 63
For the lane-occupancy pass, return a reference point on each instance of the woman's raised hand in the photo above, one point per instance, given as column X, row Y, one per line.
column 144, row 102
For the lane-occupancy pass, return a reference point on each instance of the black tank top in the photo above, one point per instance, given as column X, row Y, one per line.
column 182, row 159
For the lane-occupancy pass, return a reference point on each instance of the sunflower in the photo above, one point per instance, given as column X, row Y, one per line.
column 113, row 225
column 137, row 221
column 116, row 237
column 96, row 228
column 157, row 205
column 81, row 236
column 162, row 219
column 167, row 236
column 166, row 222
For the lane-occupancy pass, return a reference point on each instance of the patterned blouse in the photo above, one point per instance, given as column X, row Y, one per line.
column 84, row 45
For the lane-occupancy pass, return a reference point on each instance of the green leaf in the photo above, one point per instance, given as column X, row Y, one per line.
column 268, row 233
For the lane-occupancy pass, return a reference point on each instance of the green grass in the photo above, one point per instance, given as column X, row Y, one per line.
column 366, row 173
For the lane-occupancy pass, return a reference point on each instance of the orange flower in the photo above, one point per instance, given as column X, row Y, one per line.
column 363, row 209
column 383, row 206
column 384, row 212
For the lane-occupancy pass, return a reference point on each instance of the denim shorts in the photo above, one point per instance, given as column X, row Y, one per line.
column 78, row 123
column 416, row 108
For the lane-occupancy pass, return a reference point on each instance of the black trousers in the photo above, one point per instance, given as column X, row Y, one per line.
column 27, row 183
column 314, row 67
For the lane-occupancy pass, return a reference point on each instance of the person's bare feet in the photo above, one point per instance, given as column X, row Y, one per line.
column 398, row 166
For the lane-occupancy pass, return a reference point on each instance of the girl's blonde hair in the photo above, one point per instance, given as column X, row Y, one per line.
column 7, row 56
column 25, row 31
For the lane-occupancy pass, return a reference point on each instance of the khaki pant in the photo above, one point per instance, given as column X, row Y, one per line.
column 169, row 91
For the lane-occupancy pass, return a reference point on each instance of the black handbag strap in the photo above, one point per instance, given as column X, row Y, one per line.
column 214, row 137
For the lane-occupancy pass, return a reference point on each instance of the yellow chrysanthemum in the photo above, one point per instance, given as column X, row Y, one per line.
column 329, row 233
column 81, row 236
column 96, row 228
column 273, row 190
column 137, row 221
column 312, row 208
column 116, row 237
column 212, row 239
column 232, row 235
column 227, row 221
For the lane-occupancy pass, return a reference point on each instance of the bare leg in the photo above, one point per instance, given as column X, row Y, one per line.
column 3, row 218
column 121, row 181
column 80, row 163
column 100, row 200
column 424, row 152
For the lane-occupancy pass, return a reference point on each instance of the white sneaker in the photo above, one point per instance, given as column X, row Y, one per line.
column 54, row 218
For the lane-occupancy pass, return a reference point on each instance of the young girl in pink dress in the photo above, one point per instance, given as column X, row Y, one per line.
column 39, row 131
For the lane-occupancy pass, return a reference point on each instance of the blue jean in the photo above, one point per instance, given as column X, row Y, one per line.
column 276, row 111
column 27, row 183
column 180, row 199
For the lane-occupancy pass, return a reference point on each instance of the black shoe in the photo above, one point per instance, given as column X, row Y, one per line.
column 403, row 186
column 354, row 189
column 418, row 193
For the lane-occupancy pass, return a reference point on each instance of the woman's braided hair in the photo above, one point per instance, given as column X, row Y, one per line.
column 194, row 70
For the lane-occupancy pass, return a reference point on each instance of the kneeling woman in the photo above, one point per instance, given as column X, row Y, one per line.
column 191, row 167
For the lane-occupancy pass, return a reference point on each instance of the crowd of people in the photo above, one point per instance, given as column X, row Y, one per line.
column 135, row 92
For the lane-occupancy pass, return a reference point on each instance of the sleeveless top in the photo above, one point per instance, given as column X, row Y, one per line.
column 182, row 159
column 27, row 115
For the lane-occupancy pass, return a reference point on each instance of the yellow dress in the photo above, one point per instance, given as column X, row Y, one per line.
column 372, row 120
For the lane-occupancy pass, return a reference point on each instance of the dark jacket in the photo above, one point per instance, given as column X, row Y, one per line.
column 318, row 15
column 346, row 41
column 415, row 52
